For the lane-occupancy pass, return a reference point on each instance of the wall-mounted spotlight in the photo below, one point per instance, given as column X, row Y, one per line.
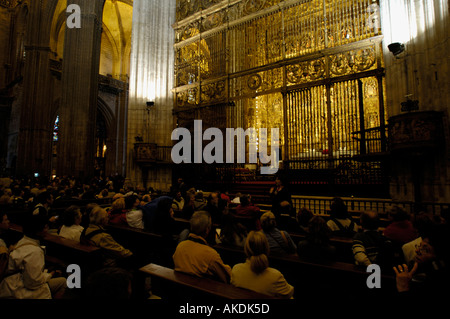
column 396, row 48
column 150, row 103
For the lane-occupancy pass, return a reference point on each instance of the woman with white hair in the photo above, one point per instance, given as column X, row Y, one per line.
column 97, row 235
column 280, row 242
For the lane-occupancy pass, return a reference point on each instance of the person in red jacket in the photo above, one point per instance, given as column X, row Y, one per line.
column 401, row 230
column 246, row 208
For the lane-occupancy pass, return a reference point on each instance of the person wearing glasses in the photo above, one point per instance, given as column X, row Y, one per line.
column 431, row 262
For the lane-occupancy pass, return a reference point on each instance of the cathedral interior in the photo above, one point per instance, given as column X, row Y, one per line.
column 359, row 90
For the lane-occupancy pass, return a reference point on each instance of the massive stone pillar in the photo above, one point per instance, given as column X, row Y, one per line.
column 35, row 135
column 77, row 114
column 151, row 80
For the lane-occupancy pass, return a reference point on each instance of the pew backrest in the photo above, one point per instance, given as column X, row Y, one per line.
column 206, row 285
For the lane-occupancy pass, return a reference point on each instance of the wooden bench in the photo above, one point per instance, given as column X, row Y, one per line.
column 146, row 246
column 67, row 250
column 177, row 285
column 314, row 277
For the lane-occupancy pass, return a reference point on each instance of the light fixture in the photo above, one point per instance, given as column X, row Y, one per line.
column 150, row 103
column 396, row 48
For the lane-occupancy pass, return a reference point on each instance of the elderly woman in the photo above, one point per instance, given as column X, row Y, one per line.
column 280, row 243
column 255, row 274
column 97, row 235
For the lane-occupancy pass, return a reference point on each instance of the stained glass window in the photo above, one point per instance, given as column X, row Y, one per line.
column 56, row 130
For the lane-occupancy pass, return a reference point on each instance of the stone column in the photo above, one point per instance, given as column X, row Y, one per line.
column 76, row 147
column 35, row 135
column 151, row 80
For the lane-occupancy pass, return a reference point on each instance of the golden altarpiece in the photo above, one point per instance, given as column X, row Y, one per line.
column 313, row 69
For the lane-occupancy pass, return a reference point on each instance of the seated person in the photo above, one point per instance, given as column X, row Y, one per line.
column 8, row 237
column 400, row 230
column 164, row 223
column 25, row 276
column 118, row 212
column 432, row 261
column 199, row 201
column 4, row 227
column 96, row 235
column 237, row 198
column 44, row 201
column 246, row 208
column 280, row 243
column 422, row 222
column 317, row 243
column 133, row 215
column 340, row 222
column 71, row 219
column 147, row 198
column 231, row 232
column 178, row 202
column 255, row 274
column 194, row 256
column 214, row 206
column 370, row 246
column 304, row 215
column 286, row 218
column 188, row 208
column 149, row 212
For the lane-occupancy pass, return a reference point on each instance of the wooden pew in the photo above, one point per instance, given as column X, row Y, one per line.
column 180, row 286
column 344, row 252
column 68, row 251
column 146, row 246
column 322, row 278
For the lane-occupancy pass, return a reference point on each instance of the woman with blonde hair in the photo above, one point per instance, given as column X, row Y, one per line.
column 117, row 213
column 255, row 274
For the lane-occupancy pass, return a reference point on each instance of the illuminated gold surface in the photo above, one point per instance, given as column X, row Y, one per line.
column 251, row 51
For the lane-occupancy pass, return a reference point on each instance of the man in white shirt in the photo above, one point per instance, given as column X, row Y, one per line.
column 26, row 277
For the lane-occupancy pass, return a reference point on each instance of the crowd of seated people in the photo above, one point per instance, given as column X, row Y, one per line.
column 213, row 219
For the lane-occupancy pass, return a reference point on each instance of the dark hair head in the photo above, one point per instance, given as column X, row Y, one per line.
column 423, row 222
column 43, row 197
column 369, row 220
column 284, row 181
column 70, row 214
column 163, row 219
column 304, row 216
column 34, row 224
column 245, row 200
column 109, row 283
column 318, row 230
column 338, row 209
column 130, row 200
